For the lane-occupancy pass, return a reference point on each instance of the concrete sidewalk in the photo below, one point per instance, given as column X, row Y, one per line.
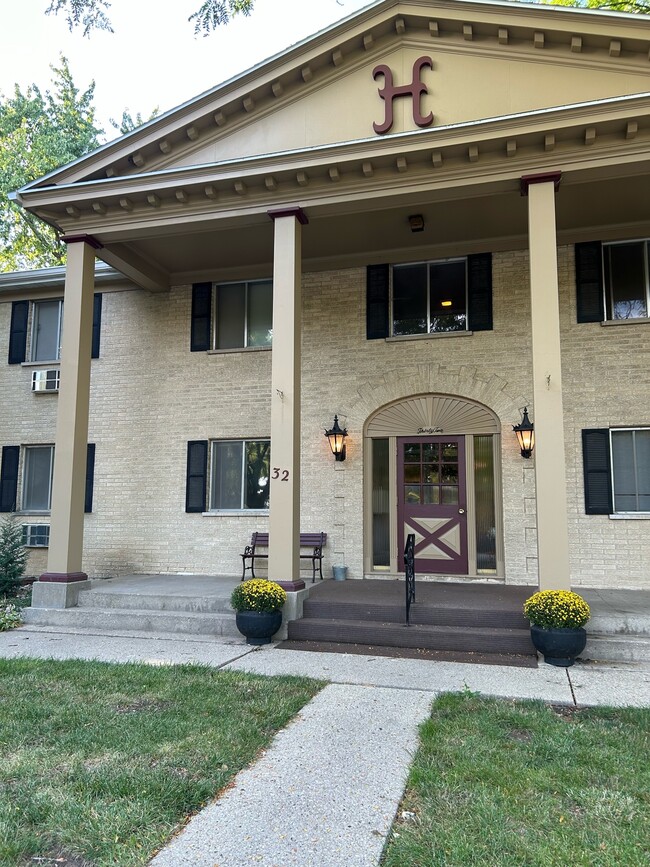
column 326, row 791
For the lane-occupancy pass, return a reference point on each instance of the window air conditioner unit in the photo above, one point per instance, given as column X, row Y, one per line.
column 36, row 535
column 45, row 380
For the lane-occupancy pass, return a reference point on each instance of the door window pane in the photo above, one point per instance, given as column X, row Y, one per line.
column 449, row 495
column 412, row 494
column 46, row 331
column 431, row 495
column 412, row 452
column 37, row 480
column 412, row 473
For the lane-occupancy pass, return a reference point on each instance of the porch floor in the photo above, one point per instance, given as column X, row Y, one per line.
column 619, row 628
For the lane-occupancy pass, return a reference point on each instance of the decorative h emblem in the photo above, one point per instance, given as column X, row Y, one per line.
column 415, row 90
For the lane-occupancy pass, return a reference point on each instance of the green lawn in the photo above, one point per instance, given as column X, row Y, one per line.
column 520, row 784
column 100, row 763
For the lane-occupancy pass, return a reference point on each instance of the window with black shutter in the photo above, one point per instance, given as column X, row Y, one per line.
column 9, row 478
column 438, row 297
column 597, row 471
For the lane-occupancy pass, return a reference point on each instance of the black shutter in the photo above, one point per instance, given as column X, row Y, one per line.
column 97, row 324
column 377, row 301
column 597, row 471
column 18, row 332
column 201, row 317
column 90, row 477
column 479, row 292
column 197, row 474
column 9, row 478
column 589, row 282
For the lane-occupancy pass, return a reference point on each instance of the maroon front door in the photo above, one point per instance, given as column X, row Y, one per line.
column 432, row 502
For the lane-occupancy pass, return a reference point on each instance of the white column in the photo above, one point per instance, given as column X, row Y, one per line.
column 284, row 510
column 64, row 562
column 549, row 455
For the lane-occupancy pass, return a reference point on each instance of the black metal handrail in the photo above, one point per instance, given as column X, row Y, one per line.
column 409, row 563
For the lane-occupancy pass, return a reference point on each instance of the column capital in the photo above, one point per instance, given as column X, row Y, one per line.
column 527, row 181
column 85, row 239
column 291, row 211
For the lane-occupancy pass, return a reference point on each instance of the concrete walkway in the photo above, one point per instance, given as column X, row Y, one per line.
column 326, row 791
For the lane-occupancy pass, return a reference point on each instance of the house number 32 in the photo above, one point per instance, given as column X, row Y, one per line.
column 283, row 475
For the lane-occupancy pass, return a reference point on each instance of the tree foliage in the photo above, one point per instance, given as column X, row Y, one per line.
column 92, row 14
column 13, row 555
column 640, row 7
column 38, row 133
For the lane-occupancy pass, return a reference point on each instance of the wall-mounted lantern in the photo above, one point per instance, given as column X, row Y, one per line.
column 336, row 438
column 525, row 434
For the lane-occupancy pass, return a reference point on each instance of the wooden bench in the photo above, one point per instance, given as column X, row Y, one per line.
column 315, row 541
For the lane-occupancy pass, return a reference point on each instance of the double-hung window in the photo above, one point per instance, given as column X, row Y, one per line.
column 37, row 478
column 616, row 470
column 243, row 314
column 627, row 280
column 239, row 477
column 47, row 321
column 631, row 469
column 231, row 316
column 429, row 297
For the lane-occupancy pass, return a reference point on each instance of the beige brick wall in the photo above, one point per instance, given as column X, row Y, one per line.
column 150, row 395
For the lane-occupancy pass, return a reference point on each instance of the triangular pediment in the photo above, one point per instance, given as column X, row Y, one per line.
column 481, row 60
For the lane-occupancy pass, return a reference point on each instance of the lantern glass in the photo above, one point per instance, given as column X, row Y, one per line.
column 525, row 435
column 336, row 437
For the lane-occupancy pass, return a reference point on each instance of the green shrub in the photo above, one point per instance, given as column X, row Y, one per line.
column 10, row 617
column 13, row 556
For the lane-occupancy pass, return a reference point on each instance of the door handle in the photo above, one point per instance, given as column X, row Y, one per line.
column 461, row 511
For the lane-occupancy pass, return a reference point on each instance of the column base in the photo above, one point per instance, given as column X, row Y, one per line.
column 58, row 593
column 63, row 577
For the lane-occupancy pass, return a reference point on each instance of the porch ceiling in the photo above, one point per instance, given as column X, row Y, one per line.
column 364, row 232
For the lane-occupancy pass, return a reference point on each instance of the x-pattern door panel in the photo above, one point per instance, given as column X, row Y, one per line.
column 432, row 502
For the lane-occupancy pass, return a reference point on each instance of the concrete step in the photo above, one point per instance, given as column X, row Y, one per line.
column 421, row 614
column 457, row 638
column 609, row 647
column 214, row 604
column 192, row 623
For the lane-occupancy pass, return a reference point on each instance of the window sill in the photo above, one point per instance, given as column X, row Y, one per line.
column 434, row 335
column 55, row 361
column 28, row 513
column 630, row 516
column 239, row 349
column 236, row 513
column 639, row 321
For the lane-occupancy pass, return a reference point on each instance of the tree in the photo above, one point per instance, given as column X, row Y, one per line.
column 92, row 14
column 38, row 133
column 127, row 123
column 13, row 556
column 640, row 7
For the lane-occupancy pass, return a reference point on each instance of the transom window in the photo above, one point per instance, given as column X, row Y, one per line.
column 239, row 477
column 47, row 322
column 430, row 297
column 627, row 280
column 243, row 314
column 37, row 478
column 631, row 469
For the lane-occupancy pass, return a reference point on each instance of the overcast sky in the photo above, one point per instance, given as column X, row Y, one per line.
column 153, row 58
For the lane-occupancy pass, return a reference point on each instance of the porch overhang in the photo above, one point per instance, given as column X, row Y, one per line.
column 467, row 177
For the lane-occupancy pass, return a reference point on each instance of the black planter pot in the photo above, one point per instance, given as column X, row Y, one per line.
column 559, row 646
column 258, row 626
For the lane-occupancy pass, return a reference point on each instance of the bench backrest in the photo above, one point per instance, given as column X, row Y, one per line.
column 307, row 540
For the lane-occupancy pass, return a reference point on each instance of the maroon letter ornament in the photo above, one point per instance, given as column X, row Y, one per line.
column 415, row 90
